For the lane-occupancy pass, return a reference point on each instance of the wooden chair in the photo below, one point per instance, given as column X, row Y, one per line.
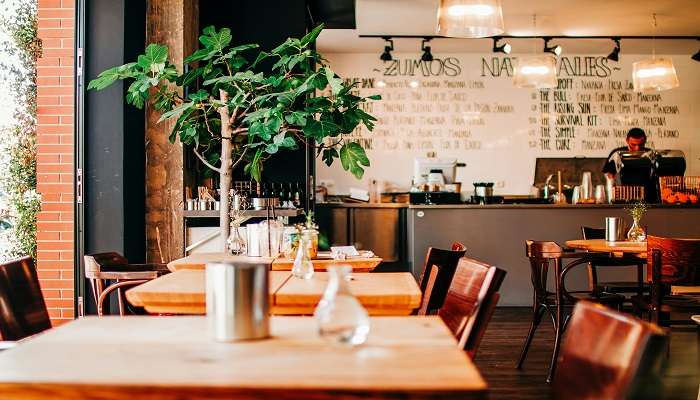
column 671, row 262
column 609, row 355
column 613, row 287
column 446, row 263
column 542, row 255
column 104, row 267
column 471, row 301
column 23, row 311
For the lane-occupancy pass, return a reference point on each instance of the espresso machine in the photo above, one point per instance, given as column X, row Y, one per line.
column 643, row 168
column 434, row 181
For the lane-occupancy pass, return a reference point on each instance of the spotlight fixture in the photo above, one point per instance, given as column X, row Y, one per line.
column 386, row 55
column 696, row 56
column 504, row 48
column 556, row 50
column 615, row 53
column 427, row 55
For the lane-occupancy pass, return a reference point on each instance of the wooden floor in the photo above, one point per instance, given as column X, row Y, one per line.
column 501, row 345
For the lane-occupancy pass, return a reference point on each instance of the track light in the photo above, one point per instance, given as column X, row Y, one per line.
column 696, row 56
column 504, row 48
column 615, row 53
column 556, row 50
column 427, row 55
column 386, row 55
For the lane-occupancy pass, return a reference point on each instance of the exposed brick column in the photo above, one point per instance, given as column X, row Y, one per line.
column 55, row 154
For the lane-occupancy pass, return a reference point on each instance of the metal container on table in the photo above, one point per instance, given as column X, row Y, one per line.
column 237, row 301
column 614, row 229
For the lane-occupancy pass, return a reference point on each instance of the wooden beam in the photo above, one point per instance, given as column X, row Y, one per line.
column 174, row 23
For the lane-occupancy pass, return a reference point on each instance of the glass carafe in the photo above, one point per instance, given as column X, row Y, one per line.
column 303, row 268
column 340, row 316
column 236, row 243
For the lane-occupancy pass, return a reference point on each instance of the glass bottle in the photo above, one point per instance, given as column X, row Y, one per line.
column 303, row 268
column 236, row 243
column 636, row 232
column 340, row 316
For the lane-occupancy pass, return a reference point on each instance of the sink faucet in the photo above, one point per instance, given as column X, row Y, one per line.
column 546, row 185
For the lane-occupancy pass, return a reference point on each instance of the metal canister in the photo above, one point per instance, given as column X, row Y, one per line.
column 614, row 229
column 237, row 301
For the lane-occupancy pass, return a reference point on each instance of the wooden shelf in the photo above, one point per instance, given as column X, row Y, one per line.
column 280, row 212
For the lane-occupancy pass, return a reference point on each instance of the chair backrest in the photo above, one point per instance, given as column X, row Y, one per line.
column 95, row 262
column 540, row 255
column 609, row 355
column 679, row 258
column 446, row 261
column 458, row 246
column 592, row 233
column 22, row 308
column 471, row 301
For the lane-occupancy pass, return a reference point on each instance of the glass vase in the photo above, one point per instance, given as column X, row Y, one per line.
column 303, row 268
column 236, row 244
column 341, row 318
column 636, row 232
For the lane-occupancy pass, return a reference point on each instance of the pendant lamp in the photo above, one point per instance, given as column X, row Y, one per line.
column 470, row 18
column 654, row 73
column 537, row 71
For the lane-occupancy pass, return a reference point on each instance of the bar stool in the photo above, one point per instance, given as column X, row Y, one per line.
column 541, row 255
column 103, row 267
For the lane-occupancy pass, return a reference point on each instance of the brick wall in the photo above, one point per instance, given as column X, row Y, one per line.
column 55, row 157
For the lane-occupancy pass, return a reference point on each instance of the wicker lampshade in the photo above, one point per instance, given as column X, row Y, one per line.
column 654, row 74
column 470, row 18
column 539, row 71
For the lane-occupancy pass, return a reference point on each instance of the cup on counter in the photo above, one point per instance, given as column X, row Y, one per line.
column 599, row 194
column 576, row 195
column 614, row 229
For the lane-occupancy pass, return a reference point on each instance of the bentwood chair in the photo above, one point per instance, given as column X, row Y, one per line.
column 102, row 268
column 23, row 311
column 542, row 255
column 471, row 301
column 673, row 270
column 613, row 287
column 446, row 262
column 609, row 355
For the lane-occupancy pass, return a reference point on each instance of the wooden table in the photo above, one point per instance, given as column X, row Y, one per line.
column 617, row 249
column 182, row 292
column 198, row 260
column 173, row 358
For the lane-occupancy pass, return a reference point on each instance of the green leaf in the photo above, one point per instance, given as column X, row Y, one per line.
column 320, row 129
column 200, row 95
column 335, row 83
column 329, row 155
column 254, row 167
column 311, row 36
column 109, row 76
column 257, row 114
column 353, row 158
column 375, row 97
column 175, row 111
column 215, row 41
column 261, row 56
column 296, row 118
column 154, row 58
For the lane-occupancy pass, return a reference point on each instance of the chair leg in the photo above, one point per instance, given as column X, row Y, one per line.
column 558, row 331
column 537, row 313
column 120, row 300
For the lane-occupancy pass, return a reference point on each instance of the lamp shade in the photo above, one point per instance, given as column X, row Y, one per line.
column 470, row 18
column 654, row 74
column 538, row 71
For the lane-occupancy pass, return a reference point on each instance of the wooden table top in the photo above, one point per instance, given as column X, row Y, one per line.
column 173, row 358
column 603, row 246
column 198, row 261
column 182, row 292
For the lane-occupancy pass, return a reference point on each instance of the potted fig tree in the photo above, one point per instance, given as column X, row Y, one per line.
column 239, row 114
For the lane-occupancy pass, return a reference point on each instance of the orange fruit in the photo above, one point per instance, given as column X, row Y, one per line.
column 682, row 198
column 671, row 199
column 693, row 198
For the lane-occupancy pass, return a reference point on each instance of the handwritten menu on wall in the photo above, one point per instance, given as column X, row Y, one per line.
column 465, row 106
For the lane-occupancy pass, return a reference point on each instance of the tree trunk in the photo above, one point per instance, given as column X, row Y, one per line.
column 225, row 173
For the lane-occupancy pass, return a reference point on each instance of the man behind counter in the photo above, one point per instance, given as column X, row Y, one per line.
column 636, row 139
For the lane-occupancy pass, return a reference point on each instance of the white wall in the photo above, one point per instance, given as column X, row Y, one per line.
column 461, row 109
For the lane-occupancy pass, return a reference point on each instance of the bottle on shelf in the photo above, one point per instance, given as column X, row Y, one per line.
column 297, row 196
column 272, row 192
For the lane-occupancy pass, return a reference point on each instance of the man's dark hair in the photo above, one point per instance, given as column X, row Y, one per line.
column 636, row 133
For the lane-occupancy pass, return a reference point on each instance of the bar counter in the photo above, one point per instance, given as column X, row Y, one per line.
column 496, row 234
